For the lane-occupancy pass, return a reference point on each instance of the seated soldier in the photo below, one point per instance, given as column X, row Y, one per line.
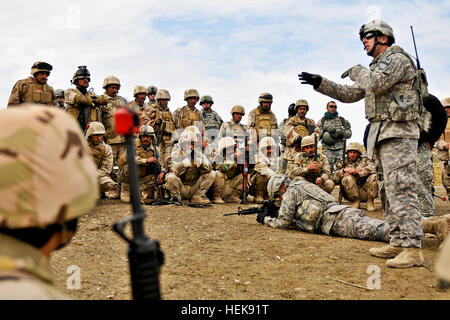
column 357, row 177
column 265, row 168
column 151, row 173
column 306, row 167
column 191, row 173
column 309, row 208
column 103, row 158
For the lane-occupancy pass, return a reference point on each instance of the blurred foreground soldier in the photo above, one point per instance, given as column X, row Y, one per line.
column 211, row 119
column 357, row 177
column 189, row 115
column 40, row 215
column 161, row 120
column 312, row 167
column 84, row 105
column 307, row 207
column 442, row 266
column 262, row 120
column 151, row 173
column 60, row 103
column 111, row 84
column 434, row 123
column 443, row 147
column 103, row 158
column 393, row 89
column 291, row 112
column 334, row 130
column 191, row 174
column 34, row 89
column 138, row 104
column 151, row 94
column 295, row 129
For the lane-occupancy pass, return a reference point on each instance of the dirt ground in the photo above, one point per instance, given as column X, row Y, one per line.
column 209, row 256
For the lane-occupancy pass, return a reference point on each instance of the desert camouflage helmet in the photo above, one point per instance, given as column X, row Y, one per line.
column 377, row 26
column 238, row 109
column 81, row 73
column 355, row 146
column 146, row 131
column 41, row 66
column 308, row 141
column 265, row 97
column 41, row 146
column 191, row 93
column 275, row 183
column 59, row 93
column 266, row 142
column 226, row 142
column 152, row 90
column 446, row 102
column 162, row 94
column 139, row 89
column 95, row 127
column 301, row 102
column 207, row 99
column 110, row 80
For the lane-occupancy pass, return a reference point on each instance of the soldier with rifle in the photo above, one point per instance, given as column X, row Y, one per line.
column 269, row 208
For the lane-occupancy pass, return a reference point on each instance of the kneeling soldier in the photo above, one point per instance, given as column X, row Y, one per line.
column 151, row 173
column 357, row 177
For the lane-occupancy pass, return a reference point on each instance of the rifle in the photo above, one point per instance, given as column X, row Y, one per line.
column 144, row 254
column 158, row 169
column 268, row 207
column 245, row 171
column 162, row 128
column 315, row 157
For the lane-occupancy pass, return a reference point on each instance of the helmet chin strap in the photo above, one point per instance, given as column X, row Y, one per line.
column 375, row 43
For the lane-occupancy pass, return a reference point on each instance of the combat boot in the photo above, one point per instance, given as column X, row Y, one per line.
column 408, row 258
column 387, row 251
column 355, row 204
column 217, row 198
column 235, row 197
column 370, row 205
column 125, row 193
column 200, row 200
column 250, row 198
column 437, row 226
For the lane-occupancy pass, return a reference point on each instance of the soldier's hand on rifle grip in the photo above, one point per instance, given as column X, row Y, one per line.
column 319, row 181
column 313, row 167
column 260, row 217
column 152, row 159
column 160, row 178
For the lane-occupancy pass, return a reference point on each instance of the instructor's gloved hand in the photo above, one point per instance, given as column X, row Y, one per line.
column 308, row 78
column 260, row 217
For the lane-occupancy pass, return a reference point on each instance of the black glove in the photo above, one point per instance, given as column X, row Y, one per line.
column 260, row 217
column 308, row 78
column 158, row 122
column 298, row 141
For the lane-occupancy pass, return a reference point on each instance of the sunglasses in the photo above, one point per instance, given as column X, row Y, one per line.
column 368, row 35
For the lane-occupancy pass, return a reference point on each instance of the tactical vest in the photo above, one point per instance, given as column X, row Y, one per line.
column 446, row 136
column 191, row 175
column 402, row 102
column 166, row 116
column 265, row 121
column 37, row 93
column 145, row 170
column 303, row 130
column 188, row 117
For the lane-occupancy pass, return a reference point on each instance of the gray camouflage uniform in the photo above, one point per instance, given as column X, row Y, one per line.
column 392, row 106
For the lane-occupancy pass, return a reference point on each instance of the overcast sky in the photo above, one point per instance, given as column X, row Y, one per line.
column 231, row 50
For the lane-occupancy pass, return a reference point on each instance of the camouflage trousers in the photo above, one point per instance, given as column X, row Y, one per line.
column 184, row 191
column 352, row 191
column 333, row 156
column 166, row 148
column 258, row 185
column 425, row 174
column 445, row 169
column 225, row 187
column 117, row 150
column 397, row 176
column 353, row 223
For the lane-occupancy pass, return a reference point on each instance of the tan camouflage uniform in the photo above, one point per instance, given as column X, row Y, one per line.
column 29, row 90
column 103, row 158
column 444, row 153
column 185, row 117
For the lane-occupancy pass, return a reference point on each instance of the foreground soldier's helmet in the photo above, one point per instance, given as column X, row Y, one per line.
column 162, row 94
column 207, row 99
column 59, row 93
column 446, row 102
column 355, row 146
column 146, row 131
column 301, row 102
column 191, row 93
column 41, row 66
column 152, row 90
column 110, row 80
column 41, row 146
column 265, row 97
column 275, row 183
column 95, row 127
column 307, row 141
column 267, row 142
column 238, row 109
column 82, row 72
column 139, row 89
column 379, row 28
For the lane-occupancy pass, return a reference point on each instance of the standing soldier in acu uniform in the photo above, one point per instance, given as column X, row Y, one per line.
column 334, row 130
column 393, row 89
column 60, row 103
column 84, row 105
column 151, row 94
column 34, row 89
column 212, row 121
